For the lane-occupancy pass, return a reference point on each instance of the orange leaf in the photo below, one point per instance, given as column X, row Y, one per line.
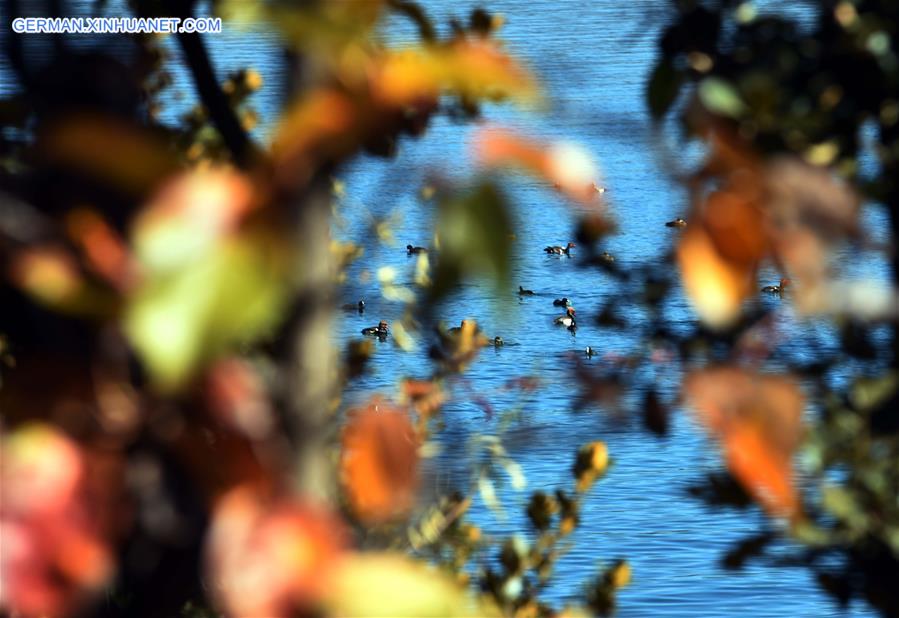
column 379, row 462
column 757, row 419
column 104, row 249
column 473, row 68
column 322, row 127
column 568, row 167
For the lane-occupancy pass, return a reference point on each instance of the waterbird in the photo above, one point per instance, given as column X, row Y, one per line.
column 498, row 341
column 777, row 289
column 380, row 330
column 524, row 292
column 360, row 306
column 589, row 352
column 561, row 302
column 679, row 222
column 411, row 250
column 566, row 320
column 557, row 250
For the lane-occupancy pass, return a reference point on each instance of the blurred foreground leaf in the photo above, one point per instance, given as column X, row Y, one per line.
column 757, row 418
column 230, row 295
column 379, row 462
column 475, row 231
column 664, row 86
column 377, row 585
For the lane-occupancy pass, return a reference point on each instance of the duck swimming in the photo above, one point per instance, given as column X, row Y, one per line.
column 597, row 189
column 777, row 289
column 380, row 330
column 589, row 352
column 679, row 222
column 498, row 341
column 556, row 250
column 605, row 256
column 566, row 320
column 524, row 292
column 410, row 250
column 561, row 302
column 360, row 306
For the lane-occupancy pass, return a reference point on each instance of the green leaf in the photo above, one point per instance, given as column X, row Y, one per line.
column 475, row 234
column 664, row 86
column 230, row 294
column 720, row 97
column 868, row 393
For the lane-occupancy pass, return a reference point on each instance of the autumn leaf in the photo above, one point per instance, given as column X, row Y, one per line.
column 591, row 463
column 473, row 68
column 379, row 462
column 757, row 419
column 474, row 229
column 270, row 557
column 115, row 151
column 52, row 554
column 104, row 250
column 236, row 394
column 383, row 584
column 426, row 397
column 567, row 167
column 715, row 286
column 208, row 282
column 51, row 276
column 323, row 126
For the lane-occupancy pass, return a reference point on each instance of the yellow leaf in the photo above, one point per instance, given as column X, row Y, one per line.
column 715, row 286
column 377, row 585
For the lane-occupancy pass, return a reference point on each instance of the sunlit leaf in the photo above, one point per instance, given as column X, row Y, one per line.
column 189, row 215
column 566, row 166
column 208, row 282
column 715, row 286
column 231, row 294
column 591, row 463
column 720, row 97
column 377, row 585
column 50, row 275
column 474, row 68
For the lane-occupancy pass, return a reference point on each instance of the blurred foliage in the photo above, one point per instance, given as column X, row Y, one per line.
column 155, row 275
column 784, row 108
column 157, row 291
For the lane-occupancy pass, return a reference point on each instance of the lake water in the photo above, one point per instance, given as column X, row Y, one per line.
column 593, row 59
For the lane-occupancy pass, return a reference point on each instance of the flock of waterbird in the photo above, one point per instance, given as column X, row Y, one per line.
column 568, row 319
